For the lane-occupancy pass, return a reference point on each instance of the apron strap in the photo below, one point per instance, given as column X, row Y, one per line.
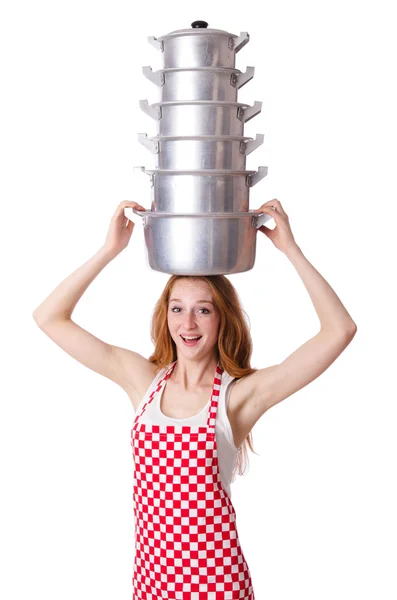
column 154, row 392
column 213, row 408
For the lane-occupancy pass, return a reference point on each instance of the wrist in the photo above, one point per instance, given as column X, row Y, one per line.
column 107, row 253
column 292, row 251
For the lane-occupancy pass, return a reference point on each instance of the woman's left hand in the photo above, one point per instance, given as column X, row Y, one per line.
column 281, row 235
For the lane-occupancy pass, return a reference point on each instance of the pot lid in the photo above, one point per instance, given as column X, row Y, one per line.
column 198, row 28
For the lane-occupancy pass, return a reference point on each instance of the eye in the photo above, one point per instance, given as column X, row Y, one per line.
column 178, row 308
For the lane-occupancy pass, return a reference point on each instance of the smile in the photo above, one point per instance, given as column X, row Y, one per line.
column 191, row 342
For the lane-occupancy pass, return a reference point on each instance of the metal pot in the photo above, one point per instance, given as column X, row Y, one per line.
column 199, row 47
column 197, row 244
column 200, row 152
column 210, row 191
column 200, row 83
column 200, row 118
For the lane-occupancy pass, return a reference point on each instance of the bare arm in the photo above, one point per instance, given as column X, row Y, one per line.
column 266, row 387
column 258, row 392
column 60, row 304
column 53, row 316
column 332, row 314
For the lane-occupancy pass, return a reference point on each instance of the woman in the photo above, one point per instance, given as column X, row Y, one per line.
column 196, row 402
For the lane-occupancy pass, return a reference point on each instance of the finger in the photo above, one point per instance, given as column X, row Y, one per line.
column 136, row 206
column 123, row 205
column 268, row 210
column 130, row 203
column 272, row 202
column 275, row 202
column 266, row 230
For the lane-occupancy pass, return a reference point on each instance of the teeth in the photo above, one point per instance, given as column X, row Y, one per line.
column 191, row 338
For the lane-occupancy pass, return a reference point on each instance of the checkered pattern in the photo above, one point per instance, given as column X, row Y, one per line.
column 186, row 540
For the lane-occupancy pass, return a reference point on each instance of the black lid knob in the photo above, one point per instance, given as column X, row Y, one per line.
column 199, row 24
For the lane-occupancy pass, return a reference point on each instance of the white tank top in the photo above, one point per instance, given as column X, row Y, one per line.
column 227, row 451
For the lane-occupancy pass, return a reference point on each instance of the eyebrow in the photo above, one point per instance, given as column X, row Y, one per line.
column 198, row 301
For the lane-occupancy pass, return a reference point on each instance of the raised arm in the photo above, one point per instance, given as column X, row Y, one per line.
column 258, row 392
column 53, row 316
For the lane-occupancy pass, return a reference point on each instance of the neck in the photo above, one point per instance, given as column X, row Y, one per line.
column 194, row 374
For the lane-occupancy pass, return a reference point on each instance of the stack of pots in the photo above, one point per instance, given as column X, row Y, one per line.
column 200, row 222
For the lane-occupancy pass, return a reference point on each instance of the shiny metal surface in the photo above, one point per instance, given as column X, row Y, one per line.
column 200, row 118
column 194, row 191
column 199, row 194
column 200, row 222
column 199, row 47
column 199, row 244
column 206, row 83
column 200, row 152
column 251, row 177
column 204, row 191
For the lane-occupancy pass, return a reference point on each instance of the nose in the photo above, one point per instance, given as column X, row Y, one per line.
column 189, row 321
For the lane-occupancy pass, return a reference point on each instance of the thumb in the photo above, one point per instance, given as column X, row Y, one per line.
column 267, row 231
column 130, row 225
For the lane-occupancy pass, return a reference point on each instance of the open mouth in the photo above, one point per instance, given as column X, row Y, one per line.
column 191, row 342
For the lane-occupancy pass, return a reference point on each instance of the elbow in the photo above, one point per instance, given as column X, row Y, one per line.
column 347, row 332
column 37, row 319
column 43, row 320
column 352, row 330
column 40, row 319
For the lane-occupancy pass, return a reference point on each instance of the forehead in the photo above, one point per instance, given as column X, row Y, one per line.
column 189, row 288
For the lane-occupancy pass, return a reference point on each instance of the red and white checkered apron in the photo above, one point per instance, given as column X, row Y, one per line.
column 186, row 541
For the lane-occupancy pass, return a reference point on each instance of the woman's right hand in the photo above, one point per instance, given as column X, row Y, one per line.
column 120, row 228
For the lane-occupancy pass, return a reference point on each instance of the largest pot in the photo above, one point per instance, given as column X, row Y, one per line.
column 212, row 244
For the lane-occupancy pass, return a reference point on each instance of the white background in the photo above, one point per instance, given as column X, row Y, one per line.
column 316, row 510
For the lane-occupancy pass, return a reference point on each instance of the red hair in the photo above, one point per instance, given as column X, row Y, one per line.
column 233, row 350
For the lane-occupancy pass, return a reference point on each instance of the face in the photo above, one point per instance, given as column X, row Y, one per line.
column 191, row 313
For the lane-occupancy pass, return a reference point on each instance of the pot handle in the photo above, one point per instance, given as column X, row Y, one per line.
column 156, row 43
column 260, row 174
column 143, row 169
column 240, row 42
column 251, row 111
column 156, row 77
column 140, row 213
column 153, row 147
column 244, row 78
column 253, row 144
column 152, row 111
column 258, row 219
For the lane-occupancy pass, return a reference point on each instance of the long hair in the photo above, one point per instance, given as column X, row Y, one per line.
column 234, row 346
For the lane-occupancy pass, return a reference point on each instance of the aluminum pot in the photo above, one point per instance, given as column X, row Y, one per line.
column 208, row 191
column 200, row 83
column 200, row 118
column 197, row 244
column 200, row 152
column 199, row 47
